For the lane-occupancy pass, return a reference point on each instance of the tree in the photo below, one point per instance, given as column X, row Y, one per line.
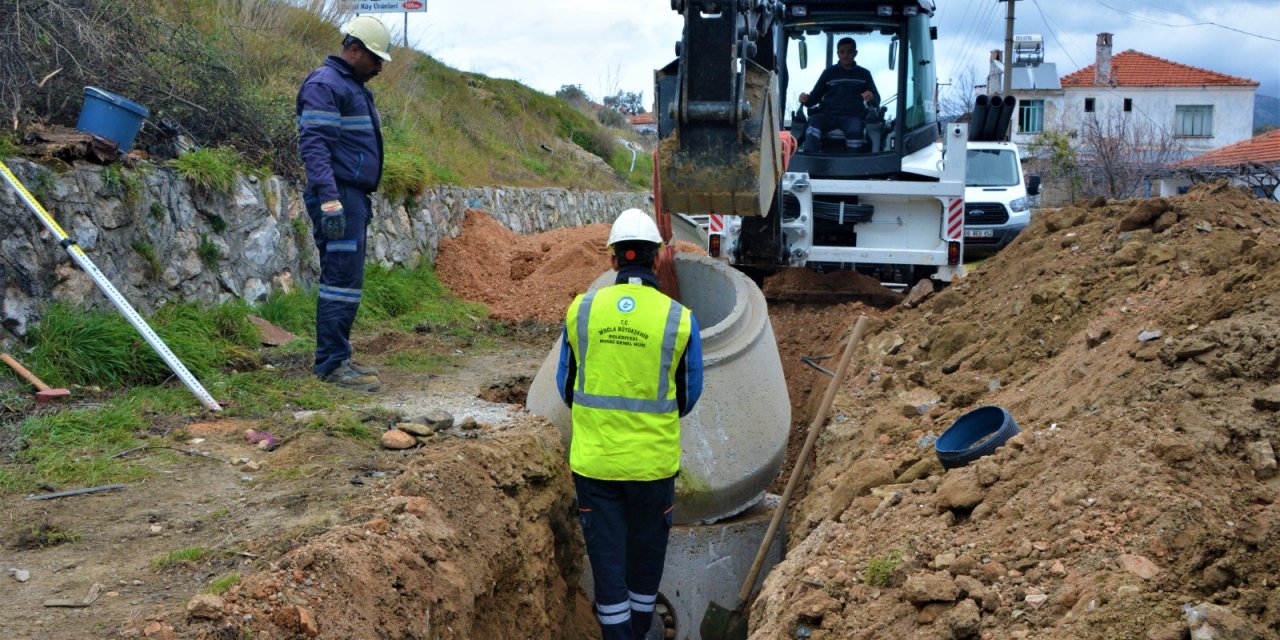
column 628, row 102
column 958, row 97
column 1122, row 152
column 1053, row 155
column 575, row 96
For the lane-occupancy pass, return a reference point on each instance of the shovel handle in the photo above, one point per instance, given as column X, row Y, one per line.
column 22, row 371
column 815, row 427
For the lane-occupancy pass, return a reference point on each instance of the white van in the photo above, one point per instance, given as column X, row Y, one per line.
column 996, row 207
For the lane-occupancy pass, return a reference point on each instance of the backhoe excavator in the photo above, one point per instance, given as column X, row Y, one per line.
column 729, row 120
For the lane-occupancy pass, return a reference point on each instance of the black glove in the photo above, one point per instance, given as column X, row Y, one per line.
column 333, row 220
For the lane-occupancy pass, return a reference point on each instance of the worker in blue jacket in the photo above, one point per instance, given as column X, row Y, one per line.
column 630, row 367
column 843, row 93
column 341, row 144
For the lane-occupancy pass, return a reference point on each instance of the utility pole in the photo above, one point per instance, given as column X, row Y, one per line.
column 1008, row 48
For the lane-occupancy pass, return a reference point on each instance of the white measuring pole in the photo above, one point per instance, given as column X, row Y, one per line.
column 113, row 294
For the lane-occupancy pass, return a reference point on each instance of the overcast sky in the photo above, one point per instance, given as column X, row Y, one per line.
column 614, row 45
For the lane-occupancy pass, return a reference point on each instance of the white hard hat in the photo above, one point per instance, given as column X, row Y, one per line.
column 372, row 33
column 634, row 224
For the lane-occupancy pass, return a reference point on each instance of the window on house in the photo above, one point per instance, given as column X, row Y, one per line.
column 1031, row 116
column 1128, row 105
column 1193, row 121
column 1088, row 105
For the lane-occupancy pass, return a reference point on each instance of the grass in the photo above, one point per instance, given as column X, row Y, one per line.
column 211, row 170
column 43, row 185
column 223, row 584
column 880, row 569
column 7, row 146
column 44, row 536
column 403, row 298
column 148, row 255
column 73, row 448
column 182, row 557
column 157, row 211
column 415, row 362
column 75, row 345
column 346, row 424
column 294, row 311
column 209, row 252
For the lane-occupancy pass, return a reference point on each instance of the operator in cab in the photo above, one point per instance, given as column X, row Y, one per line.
column 630, row 367
column 843, row 93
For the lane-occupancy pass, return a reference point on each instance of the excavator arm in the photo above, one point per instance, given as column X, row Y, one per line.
column 719, row 110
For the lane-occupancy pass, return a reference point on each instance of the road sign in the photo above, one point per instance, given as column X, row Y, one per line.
column 389, row 6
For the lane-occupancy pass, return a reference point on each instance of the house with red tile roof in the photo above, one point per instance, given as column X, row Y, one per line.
column 1201, row 109
column 645, row 123
column 1254, row 163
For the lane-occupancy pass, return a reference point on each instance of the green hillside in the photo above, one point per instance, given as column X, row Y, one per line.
column 226, row 72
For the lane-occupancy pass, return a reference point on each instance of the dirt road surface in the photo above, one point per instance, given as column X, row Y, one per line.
column 1134, row 342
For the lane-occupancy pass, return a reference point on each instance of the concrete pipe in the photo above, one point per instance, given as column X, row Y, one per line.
column 735, row 440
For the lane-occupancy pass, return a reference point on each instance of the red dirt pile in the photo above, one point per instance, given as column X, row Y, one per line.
column 521, row 277
column 1136, row 345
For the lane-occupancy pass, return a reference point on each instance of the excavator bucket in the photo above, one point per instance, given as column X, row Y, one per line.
column 721, row 162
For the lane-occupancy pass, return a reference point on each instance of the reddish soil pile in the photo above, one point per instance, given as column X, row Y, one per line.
column 1136, row 345
column 522, row 277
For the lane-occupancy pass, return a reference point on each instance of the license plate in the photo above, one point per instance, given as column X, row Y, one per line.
column 977, row 233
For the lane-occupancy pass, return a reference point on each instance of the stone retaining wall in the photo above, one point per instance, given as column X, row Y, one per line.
column 158, row 238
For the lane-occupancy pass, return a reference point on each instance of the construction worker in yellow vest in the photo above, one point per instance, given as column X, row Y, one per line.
column 630, row 367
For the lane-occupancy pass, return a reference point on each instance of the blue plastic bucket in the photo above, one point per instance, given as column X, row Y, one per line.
column 112, row 117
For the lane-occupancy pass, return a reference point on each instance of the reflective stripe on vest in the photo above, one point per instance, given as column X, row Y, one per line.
column 640, row 405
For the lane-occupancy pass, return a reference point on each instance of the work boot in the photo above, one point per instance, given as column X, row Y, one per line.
column 346, row 377
column 361, row 369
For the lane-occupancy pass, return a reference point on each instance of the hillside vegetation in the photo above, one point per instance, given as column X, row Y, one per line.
column 226, row 72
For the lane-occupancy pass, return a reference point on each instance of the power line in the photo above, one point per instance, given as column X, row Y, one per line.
column 1194, row 24
column 1053, row 33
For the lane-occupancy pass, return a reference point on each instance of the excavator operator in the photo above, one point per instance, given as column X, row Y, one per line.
column 843, row 92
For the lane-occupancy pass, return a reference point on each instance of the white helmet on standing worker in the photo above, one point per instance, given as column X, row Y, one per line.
column 634, row 224
column 371, row 33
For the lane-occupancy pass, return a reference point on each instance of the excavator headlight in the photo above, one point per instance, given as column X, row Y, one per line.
column 910, row 11
column 884, row 10
column 799, row 10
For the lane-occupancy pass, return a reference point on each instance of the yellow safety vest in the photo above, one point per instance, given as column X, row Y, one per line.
column 627, row 341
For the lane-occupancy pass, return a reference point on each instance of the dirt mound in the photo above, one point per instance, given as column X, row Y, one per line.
column 519, row 278
column 801, row 284
column 1135, row 343
column 473, row 539
column 522, row 278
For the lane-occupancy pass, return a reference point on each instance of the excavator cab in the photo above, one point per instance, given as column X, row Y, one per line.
column 740, row 69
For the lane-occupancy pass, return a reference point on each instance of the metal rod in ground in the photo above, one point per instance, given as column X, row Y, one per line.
column 112, row 293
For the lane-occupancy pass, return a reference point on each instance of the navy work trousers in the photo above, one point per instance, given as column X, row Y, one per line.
column 852, row 126
column 626, row 525
column 341, row 278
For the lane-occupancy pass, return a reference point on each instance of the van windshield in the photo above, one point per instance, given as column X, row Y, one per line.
column 991, row 168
